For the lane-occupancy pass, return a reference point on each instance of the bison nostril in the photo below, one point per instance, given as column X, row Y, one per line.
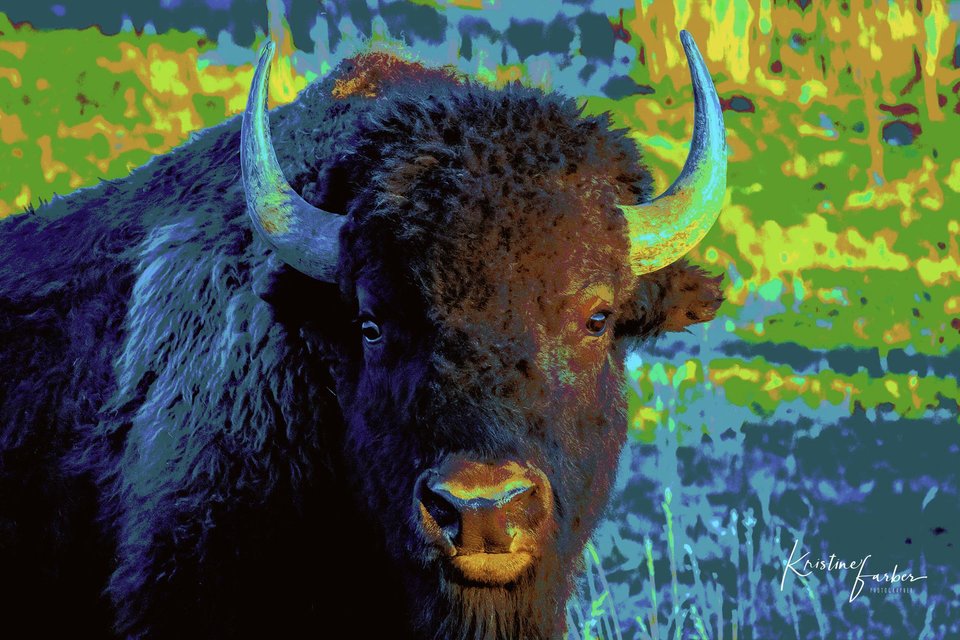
column 441, row 510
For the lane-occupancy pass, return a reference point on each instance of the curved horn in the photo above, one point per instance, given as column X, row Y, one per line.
column 304, row 236
column 664, row 229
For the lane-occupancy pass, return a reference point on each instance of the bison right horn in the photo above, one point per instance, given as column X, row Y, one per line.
column 667, row 227
column 305, row 237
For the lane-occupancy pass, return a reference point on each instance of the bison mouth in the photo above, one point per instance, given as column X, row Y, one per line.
column 495, row 596
column 491, row 569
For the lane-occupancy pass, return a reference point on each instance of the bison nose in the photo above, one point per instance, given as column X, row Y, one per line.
column 477, row 507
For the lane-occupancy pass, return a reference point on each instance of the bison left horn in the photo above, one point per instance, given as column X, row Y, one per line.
column 667, row 227
column 303, row 236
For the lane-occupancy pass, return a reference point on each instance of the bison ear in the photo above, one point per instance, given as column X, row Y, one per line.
column 671, row 299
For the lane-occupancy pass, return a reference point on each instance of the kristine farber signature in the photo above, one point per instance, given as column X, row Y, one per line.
column 803, row 567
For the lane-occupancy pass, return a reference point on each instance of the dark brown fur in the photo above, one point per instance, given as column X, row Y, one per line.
column 204, row 426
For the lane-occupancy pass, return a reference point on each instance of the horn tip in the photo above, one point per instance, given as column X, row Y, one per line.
column 267, row 49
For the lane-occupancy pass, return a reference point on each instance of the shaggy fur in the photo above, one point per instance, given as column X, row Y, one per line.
column 195, row 442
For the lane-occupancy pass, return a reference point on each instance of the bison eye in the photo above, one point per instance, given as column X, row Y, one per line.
column 597, row 323
column 370, row 331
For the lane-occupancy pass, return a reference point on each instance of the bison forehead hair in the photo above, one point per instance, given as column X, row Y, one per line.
column 469, row 187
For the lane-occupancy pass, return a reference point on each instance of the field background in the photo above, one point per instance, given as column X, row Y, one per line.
column 819, row 407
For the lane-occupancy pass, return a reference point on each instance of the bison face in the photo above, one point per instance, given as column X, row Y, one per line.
column 484, row 399
column 498, row 265
column 483, row 387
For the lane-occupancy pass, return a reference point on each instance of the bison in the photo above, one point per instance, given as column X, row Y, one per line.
column 234, row 405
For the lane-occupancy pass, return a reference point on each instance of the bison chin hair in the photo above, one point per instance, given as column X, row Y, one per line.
column 531, row 608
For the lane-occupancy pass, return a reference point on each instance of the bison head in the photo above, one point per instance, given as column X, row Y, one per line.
column 500, row 251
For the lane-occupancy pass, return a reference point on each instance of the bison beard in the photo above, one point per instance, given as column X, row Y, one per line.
column 516, row 611
column 198, row 441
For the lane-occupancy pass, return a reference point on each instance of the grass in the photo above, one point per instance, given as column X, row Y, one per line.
column 698, row 535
